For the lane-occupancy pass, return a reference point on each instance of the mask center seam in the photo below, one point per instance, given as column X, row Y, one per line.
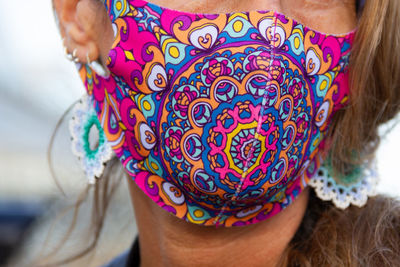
column 256, row 138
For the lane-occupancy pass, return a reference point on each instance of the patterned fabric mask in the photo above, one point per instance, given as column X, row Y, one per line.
column 219, row 118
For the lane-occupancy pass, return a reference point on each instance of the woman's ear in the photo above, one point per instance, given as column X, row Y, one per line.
column 85, row 28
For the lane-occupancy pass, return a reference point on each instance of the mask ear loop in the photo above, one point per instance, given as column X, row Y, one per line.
column 218, row 219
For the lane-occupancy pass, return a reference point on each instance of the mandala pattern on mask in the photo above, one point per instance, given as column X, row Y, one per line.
column 218, row 118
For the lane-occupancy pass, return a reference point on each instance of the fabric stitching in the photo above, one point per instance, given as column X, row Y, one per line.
column 256, row 136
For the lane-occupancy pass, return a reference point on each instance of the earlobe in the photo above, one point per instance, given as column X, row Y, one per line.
column 80, row 27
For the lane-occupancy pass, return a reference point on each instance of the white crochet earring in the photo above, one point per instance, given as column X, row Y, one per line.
column 353, row 188
column 89, row 142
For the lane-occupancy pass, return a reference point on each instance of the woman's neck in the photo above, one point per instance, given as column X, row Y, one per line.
column 168, row 241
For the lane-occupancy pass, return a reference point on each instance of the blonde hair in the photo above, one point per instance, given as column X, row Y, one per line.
column 374, row 84
column 368, row 236
column 329, row 237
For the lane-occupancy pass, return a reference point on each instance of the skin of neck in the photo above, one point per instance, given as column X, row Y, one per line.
column 166, row 240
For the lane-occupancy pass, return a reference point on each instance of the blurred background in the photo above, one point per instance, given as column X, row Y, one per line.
column 37, row 85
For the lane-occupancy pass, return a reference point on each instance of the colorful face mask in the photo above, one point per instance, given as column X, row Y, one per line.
column 220, row 119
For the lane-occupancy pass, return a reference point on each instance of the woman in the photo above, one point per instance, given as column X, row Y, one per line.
column 224, row 119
